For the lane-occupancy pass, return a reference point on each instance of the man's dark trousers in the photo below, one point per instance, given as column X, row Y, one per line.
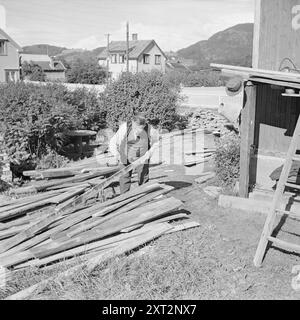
column 143, row 177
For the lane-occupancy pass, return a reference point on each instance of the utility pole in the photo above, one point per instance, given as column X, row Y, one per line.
column 127, row 47
column 107, row 61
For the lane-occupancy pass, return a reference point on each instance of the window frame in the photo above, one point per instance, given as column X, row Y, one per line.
column 7, row 74
column 4, row 48
column 146, row 55
column 114, row 58
column 158, row 56
column 123, row 58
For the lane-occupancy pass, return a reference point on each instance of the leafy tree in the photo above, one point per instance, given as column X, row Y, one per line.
column 87, row 72
column 32, row 71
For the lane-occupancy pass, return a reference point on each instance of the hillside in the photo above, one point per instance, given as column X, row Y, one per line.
column 231, row 46
column 65, row 54
column 43, row 49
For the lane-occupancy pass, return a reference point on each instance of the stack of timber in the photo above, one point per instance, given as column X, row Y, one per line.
column 80, row 223
column 37, row 240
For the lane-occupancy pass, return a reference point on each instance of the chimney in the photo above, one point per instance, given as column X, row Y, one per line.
column 2, row 17
column 134, row 36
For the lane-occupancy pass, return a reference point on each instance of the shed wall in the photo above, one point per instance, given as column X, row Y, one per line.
column 275, row 121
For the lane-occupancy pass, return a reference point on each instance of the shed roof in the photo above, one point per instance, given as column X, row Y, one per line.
column 284, row 79
column 176, row 65
column 35, row 57
column 46, row 66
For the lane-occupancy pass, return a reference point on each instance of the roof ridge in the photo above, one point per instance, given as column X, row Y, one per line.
column 11, row 40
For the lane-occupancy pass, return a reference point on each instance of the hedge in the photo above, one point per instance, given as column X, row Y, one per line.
column 36, row 118
column 149, row 92
column 227, row 159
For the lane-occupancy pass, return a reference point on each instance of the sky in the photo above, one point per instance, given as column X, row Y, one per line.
column 174, row 24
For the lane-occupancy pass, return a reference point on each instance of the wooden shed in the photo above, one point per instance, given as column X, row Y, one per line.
column 269, row 116
column 268, row 120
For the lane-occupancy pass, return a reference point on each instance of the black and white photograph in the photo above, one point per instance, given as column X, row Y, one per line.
column 149, row 153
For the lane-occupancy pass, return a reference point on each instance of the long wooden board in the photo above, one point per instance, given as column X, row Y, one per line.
column 68, row 222
column 134, row 217
column 127, row 247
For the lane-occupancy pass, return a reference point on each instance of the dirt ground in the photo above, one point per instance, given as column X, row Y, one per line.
column 213, row 261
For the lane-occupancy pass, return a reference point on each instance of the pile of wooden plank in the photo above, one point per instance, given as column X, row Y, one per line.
column 95, row 228
column 73, row 221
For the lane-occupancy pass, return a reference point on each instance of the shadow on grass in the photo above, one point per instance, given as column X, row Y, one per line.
column 178, row 184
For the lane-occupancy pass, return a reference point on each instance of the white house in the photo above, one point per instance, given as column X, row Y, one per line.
column 144, row 55
column 9, row 58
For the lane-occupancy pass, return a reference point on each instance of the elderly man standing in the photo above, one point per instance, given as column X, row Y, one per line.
column 132, row 140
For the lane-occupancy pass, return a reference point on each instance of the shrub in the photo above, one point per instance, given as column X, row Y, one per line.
column 196, row 78
column 52, row 160
column 88, row 72
column 149, row 92
column 37, row 117
column 32, row 71
column 227, row 159
column 203, row 79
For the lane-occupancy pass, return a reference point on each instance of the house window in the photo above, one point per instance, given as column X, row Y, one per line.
column 157, row 59
column 113, row 58
column 146, row 58
column 121, row 58
column 2, row 47
column 11, row 75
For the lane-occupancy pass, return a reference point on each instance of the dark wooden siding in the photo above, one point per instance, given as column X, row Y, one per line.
column 276, row 117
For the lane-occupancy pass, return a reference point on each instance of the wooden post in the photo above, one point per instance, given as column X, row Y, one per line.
column 127, row 47
column 247, row 137
column 107, row 61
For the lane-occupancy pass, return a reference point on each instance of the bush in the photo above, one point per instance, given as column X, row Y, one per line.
column 87, row 72
column 196, row 78
column 33, row 72
column 149, row 92
column 52, row 160
column 227, row 159
column 37, row 117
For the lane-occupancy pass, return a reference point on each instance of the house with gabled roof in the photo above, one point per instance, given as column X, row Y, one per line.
column 53, row 70
column 9, row 58
column 144, row 55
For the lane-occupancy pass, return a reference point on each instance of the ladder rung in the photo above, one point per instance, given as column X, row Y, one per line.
column 289, row 213
column 292, row 185
column 285, row 245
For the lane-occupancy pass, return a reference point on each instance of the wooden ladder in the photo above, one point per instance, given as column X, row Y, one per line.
column 266, row 235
